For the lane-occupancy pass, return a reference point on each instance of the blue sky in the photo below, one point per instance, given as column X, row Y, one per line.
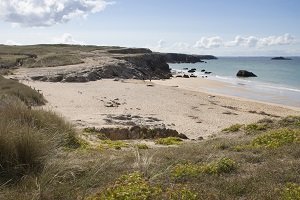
column 219, row 27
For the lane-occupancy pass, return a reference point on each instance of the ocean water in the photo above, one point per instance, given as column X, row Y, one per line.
column 278, row 81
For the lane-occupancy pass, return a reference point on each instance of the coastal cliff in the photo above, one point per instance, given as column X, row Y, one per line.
column 74, row 63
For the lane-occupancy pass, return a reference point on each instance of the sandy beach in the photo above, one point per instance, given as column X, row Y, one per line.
column 176, row 103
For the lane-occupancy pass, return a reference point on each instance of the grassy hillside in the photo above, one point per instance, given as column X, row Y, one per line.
column 44, row 55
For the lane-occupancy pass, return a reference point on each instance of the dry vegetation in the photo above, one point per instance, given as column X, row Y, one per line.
column 38, row 161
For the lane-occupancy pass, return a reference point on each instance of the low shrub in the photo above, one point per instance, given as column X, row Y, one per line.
column 254, row 128
column 276, row 138
column 169, row 141
column 129, row 187
column 233, row 128
column 291, row 192
column 113, row 144
column 142, row 146
column 224, row 165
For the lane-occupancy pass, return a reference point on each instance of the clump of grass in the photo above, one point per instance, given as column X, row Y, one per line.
column 142, row 146
column 169, row 141
column 181, row 193
column 26, row 94
column 276, row 138
column 113, row 144
column 134, row 186
column 254, row 128
column 131, row 186
column 233, row 128
column 28, row 137
column 290, row 121
column 224, row 165
column 291, row 192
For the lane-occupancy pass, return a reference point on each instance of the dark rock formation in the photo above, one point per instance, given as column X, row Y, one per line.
column 186, row 58
column 207, row 72
column 203, row 70
column 193, row 76
column 280, row 58
column 186, row 76
column 191, row 71
column 245, row 73
column 137, row 132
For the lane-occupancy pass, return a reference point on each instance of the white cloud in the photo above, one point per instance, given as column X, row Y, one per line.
column 66, row 38
column 37, row 13
column 11, row 42
column 209, row 42
column 252, row 41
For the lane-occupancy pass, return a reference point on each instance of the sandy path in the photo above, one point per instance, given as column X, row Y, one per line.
column 111, row 103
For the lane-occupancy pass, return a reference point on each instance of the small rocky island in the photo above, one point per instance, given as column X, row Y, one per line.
column 280, row 58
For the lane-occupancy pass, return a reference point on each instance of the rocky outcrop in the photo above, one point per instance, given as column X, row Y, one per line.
column 186, row 58
column 137, row 132
column 141, row 66
column 280, row 58
column 245, row 73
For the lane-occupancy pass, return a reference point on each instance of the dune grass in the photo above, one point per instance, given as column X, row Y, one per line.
column 208, row 169
column 28, row 137
column 26, row 94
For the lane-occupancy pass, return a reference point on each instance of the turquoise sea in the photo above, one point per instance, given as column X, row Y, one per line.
column 277, row 81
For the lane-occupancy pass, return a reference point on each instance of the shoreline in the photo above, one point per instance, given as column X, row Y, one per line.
column 212, row 83
column 109, row 103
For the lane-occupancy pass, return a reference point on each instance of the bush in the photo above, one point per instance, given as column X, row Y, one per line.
column 277, row 138
column 291, row 192
column 130, row 187
column 224, row 165
column 254, row 128
column 169, row 141
column 233, row 128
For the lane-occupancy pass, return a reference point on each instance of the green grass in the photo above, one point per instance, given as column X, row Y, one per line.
column 169, row 141
column 233, row 128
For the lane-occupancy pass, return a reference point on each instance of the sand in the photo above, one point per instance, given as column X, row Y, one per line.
column 177, row 104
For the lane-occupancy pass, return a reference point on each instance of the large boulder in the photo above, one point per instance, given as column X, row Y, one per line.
column 245, row 73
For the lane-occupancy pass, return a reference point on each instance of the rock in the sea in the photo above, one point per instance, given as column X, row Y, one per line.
column 186, row 76
column 203, row 70
column 245, row 73
column 191, row 71
column 280, row 58
column 207, row 72
column 193, row 76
